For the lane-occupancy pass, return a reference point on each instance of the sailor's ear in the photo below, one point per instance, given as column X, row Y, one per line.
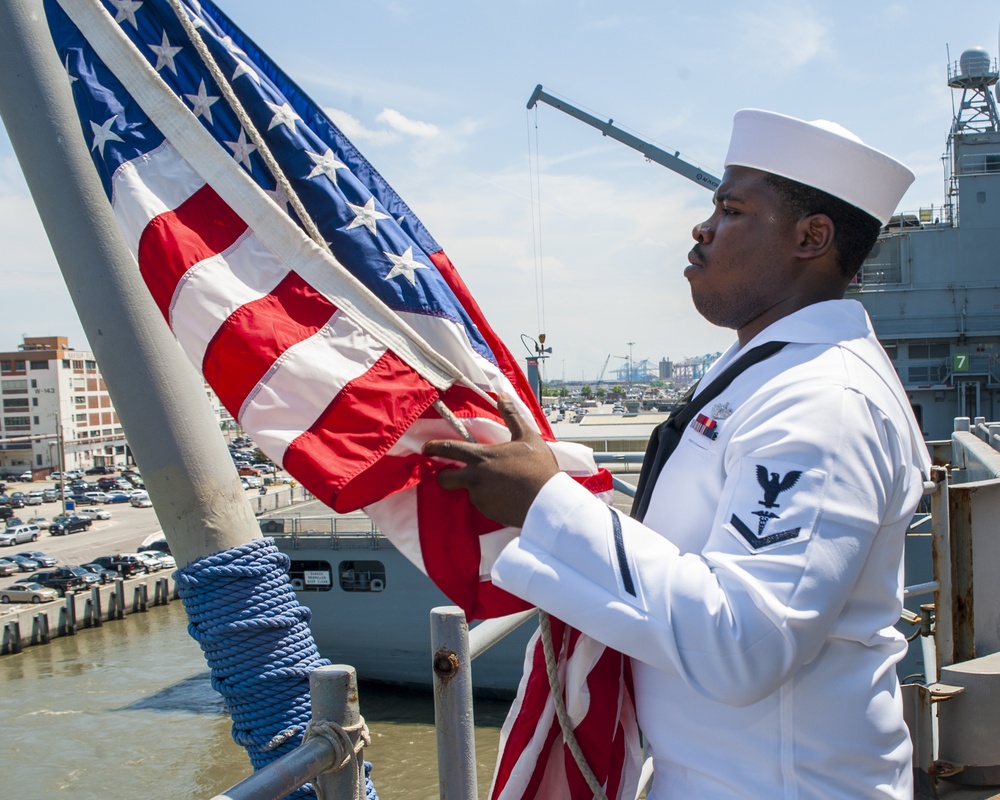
column 814, row 235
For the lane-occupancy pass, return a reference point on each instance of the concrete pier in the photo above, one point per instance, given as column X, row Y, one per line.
column 29, row 624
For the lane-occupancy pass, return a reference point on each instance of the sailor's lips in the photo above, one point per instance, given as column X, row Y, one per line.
column 695, row 265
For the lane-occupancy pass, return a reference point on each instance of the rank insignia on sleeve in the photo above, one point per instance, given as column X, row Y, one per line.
column 721, row 411
column 706, row 426
column 774, row 503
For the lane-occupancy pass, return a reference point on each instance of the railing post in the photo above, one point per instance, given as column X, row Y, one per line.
column 944, row 625
column 453, row 718
column 333, row 693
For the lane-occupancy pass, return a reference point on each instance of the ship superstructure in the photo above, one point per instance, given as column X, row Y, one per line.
column 932, row 283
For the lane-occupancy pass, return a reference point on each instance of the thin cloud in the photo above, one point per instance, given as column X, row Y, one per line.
column 356, row 131
column 410, row 127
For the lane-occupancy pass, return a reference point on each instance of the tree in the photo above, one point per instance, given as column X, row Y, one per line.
column 563, row 392
column 585, row 391
column 601, row 392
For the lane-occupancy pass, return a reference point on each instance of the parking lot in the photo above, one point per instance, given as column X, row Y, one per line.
column 126, row 529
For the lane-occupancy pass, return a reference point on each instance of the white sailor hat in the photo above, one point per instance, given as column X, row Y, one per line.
column 820, row 154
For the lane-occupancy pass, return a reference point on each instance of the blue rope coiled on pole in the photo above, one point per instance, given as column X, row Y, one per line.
column 255, row 635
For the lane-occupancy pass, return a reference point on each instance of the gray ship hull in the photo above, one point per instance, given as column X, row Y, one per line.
column 371, row 609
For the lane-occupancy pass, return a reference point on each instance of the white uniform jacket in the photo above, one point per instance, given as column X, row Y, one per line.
column 758, row 598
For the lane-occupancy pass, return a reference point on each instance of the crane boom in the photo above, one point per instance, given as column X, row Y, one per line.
column 650, row 151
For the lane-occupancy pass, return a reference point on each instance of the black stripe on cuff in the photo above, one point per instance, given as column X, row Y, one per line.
column 627, row 584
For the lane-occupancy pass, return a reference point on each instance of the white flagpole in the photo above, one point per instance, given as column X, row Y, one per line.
column 159, row 397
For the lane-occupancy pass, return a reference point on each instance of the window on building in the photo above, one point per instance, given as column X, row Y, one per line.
column 65, row 363
column 17, row 423
column 919, row 375
column 39, row 364
column 81, row 418
column 90, row 364
column 918, row 351
column 38, row 459
column 939, row 350
column 34, row 401
column 35, row 420
column 14, row 386
column 14, row 403
column 890, row 350
column 19, row 366
column 5, row 366
column 78, row 363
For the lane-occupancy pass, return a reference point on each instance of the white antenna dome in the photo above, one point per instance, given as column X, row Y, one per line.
column 974, row 63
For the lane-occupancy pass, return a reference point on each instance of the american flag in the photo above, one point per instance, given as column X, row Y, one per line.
column 336, row 352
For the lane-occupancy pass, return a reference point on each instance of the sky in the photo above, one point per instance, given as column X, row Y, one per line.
column 554, row 228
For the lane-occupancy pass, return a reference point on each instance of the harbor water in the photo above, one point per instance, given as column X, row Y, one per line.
column 127, row 710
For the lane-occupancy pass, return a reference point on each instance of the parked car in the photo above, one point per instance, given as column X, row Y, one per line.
column 125, row 564
column 55, row 476
column 34, row 498
column 24, row 564
column 61, row 579
column 156, row 545
column 18, row 499
column 82, row 499
column 50, row 495
column 96, row 497
column 28, row 593
column 20, row 534
column 27, row 476
column 89, row 578
column 103, row 575
column 166, row 560
column 6, row 512
column 71, row 524
column 119, row 497
column 7, row 567
column 152, row 561
column 41, row 558
column 100, row 470
column 13, row 522
column 94, row 513
column 74, row 474
column 41, row 522
column 140, row 500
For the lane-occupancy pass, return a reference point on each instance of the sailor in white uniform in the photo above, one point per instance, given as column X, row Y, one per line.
column 758, row 594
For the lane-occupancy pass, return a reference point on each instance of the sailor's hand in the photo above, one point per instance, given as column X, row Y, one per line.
column 502, row 479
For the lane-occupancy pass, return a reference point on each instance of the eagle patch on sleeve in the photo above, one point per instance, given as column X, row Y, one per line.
column 773, row 503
